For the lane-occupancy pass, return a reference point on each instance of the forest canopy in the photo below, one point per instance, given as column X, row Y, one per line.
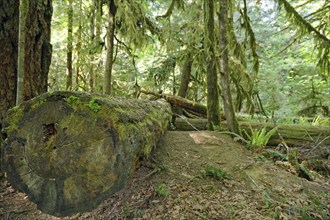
column 278, row 51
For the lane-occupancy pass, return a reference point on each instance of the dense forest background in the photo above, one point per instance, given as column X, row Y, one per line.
column 278, row 56
column 251, row 67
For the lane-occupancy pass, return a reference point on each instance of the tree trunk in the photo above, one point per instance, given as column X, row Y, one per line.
column 69, row 151
column 211, row 72
column 92, row 48
column 37, row 51
column 292, row 134
column 23, row 11
column 78, row 46
column 110, row 46
column 9, row 16
column 185, row 75
column 69, row 69
column 224, row 70
column 192, row 107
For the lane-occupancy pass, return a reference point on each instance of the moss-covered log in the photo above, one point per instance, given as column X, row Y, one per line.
column 190, row 106
column 69, row 151
column 293, row 135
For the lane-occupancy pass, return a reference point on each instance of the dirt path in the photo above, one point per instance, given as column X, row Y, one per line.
column 182, row 186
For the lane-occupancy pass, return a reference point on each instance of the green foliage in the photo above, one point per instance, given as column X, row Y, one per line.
column 72, row 100
column 151, row 55
column 321, row 121
column 304, row 172
column 269, row 202
column 162, row 190
column 258, row 138
column 293, row 157
column 216, row 172
column 305, row 26
column 133, row 213
column 94, row 105
column 275, row 155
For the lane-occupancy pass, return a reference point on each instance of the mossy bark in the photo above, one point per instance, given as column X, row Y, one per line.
column 292, row 134
column 69, row 151
column 213, row 109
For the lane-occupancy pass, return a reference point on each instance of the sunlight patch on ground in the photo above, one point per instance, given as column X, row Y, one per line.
column 204, row 138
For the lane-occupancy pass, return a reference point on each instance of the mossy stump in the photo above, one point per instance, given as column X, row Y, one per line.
column 69, row 151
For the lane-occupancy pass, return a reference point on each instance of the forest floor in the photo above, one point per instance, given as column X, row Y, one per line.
column 200, row 175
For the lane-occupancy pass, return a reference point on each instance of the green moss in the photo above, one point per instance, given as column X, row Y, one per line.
column 162, row 190
column 37, row 104
column 275, row 155
column 14, row 117
column 72, row 100
column 94, row 106
column 293, row 157
column 304, row 172
column 216, row 172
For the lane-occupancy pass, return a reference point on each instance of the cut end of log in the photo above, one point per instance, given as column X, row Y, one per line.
column 69, row 151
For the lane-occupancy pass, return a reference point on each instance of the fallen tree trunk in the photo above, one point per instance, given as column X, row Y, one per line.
column 293, row 135
column 190, row 106
column 69, row 151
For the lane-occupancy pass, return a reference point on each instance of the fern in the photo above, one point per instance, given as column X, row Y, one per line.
column 259, row 138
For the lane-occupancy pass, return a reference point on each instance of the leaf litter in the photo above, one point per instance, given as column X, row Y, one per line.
column 180, row 189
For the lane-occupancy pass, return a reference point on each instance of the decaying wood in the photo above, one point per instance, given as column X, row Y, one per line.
column 190, row 106
column 69, row 151
column 293, row 135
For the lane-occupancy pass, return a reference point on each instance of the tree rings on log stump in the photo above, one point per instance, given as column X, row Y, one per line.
column 69, row 151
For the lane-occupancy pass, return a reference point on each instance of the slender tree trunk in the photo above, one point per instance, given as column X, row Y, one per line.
column 212, row 81
column 98, row 19
column 23, row 11
column 98, row 39
column 69, row 69
column 224, row 70
column 174, row 82
column 110, row 47
column 78, row 47
column 93, row 47
column 185, row 75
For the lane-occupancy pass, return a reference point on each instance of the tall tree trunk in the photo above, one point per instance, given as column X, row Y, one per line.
column 23, row 11
column 37, row 50
column 78, row 47
column 185, row 75
column 224, row 70
column 110, row 47
column 93, row 47
column 69, row 69
column 98, row 19
column 212, row 82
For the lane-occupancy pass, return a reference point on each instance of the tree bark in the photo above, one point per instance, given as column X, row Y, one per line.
column 185, row 75
column 224, row 69
column 211, row 72
column 37, row 51
column 69, row 151
column 192, row 107
column 69, row 47
column 110, row 46
column 23, row 11
column 78, row 46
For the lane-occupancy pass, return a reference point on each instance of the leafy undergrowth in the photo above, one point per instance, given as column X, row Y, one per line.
column 201, row 175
